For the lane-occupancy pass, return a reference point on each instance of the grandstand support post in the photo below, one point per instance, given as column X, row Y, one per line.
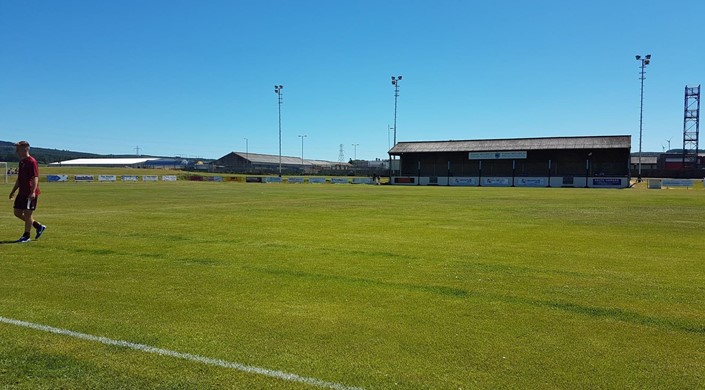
column 390, row 167
column 549, row 173
column 587, row 169
column 479, row 177
column 448, row 182
column 418, row 174
column 514, row 167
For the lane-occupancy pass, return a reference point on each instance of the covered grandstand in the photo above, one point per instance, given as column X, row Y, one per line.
column 594, row 161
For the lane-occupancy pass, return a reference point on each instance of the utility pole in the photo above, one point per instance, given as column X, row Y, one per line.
column 302, row 150
column 247, row 151
column 395, row 83
column 278, row 91
column 644, row 61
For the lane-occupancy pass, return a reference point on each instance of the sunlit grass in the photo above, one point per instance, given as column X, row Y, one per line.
column 370, row 286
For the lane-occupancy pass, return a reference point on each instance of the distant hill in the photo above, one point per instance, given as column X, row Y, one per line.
column 46, row 156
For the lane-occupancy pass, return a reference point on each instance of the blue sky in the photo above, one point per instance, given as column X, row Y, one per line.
column 194, row 78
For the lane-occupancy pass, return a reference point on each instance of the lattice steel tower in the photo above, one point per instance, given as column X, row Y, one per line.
column 691, row 127
column 341, row 155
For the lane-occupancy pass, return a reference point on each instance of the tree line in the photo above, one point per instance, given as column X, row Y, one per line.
column 43, row 155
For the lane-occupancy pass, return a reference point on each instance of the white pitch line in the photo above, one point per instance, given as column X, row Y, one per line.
column 186, row 356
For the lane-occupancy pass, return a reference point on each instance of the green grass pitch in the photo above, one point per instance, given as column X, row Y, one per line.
column 367, row 286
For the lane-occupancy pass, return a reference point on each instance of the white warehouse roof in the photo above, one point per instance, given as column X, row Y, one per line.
column 119, row 162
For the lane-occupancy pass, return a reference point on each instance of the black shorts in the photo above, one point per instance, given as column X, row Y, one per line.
column 24, row 202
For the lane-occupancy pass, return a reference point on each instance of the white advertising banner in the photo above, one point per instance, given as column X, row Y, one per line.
column 129, row 178
column 463, row 181
column 110, row 178
column 654, row 184
column 298, row 180
column 611, row 182
column 516, row 155
column 81, row 178
column 339, row 180
column 150, row 178
column 168, row 177
column 317, row 180
column 495, row 181
column 276, row 179
column 57, row 178
column 361, row 180
column 530, row 182
column 677, row 183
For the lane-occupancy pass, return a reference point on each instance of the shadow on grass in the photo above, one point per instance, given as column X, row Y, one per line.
column 590, row 311
column 619, row 315
column 441, row 290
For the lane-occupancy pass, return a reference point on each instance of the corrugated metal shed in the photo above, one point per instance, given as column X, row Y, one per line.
column 515, row 144
column 256, row 158
column 269, row 159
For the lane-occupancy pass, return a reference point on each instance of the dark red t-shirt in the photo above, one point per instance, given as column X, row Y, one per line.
column 27, row 171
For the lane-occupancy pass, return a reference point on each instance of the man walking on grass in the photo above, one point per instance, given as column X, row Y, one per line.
column 28, row 185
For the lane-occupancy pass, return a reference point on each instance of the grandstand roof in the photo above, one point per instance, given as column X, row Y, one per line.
column 513, row 144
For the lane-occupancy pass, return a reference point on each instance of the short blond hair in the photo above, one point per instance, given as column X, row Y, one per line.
column 22, row 144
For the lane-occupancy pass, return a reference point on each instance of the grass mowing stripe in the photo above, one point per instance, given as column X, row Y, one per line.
column 592, row 311
column 186, row 356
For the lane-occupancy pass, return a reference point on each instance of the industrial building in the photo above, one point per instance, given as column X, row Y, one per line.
column 268, row 163
column 674, row 163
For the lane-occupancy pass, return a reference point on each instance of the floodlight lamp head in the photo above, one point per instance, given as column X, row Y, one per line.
column 399, row 78
column 646, row 62
column 394, row 82
column 648, row 56
column 638, row 58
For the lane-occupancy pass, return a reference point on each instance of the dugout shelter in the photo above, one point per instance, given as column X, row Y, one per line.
column 592, row 161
